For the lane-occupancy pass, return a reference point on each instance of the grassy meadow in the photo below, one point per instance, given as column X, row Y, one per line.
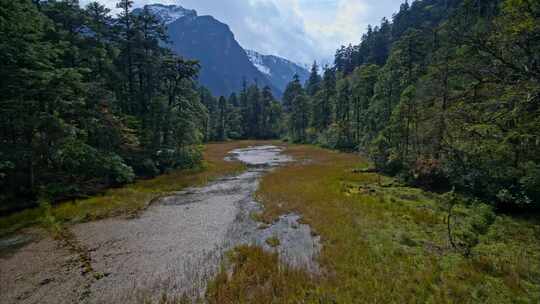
column 382, row 242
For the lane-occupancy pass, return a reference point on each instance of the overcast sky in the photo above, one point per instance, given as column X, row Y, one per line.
column 299, row 30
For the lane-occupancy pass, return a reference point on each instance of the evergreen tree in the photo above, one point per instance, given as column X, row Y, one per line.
column 343, row 114
column 234, row 118
column 313, row 84
column 324, row 108
column 363, row 89
column 222, row 120
column 82, row 112
column 299, row 118
column 267, row 99
column 126, row 28
column 294, row 88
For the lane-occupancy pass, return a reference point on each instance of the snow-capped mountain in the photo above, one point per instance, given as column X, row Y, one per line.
column 169, row 13
column 225, row 64
column 258, row 61
column 279, row 70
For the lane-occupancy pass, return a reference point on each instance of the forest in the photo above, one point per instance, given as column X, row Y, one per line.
column 445, row 96
column 91, row 101
column 406, row 171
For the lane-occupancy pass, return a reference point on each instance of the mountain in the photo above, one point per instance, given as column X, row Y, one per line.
column 169, row 13
column 225, row 64
column 279, row 70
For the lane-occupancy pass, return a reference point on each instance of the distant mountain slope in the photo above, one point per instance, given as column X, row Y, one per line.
column 224, row 62
column 279, row 70
column 170, row 13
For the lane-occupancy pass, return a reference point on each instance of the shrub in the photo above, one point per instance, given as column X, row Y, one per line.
column 467, row 221
column 329, row 138
column 82, row 168
column 118, row 171
column 530, row 183
column 183, row 158
column 147, row 168
column 428, row 173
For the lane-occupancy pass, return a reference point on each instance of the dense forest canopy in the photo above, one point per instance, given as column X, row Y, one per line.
column 90, row 100
column 444, row 95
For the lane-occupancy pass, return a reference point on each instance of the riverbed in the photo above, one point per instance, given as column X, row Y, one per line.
column 174, row 247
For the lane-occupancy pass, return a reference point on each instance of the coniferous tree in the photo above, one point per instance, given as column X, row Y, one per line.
column 343, row 114
column 222, row 120
column 313, row 84
column 363, row 89
column 446, row 91
column 234, row 118
column 294, row 88
column 326, row 107
column 299, row 118
column 75, row 116
column 126, row 29
column 266, row 106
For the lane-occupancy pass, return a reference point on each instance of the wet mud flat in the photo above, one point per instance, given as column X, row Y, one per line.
column 174, row 247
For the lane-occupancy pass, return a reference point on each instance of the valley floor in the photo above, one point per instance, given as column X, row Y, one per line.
column 383, row 242
column 327, row 231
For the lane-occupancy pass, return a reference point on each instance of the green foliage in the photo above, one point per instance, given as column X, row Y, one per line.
column 445, row 95
column 79, row 111
column 386, row 243
column 313, row 84
column 255, row 114
column 78, row 160
column 117, row 170
column 187, row 157
column 329, row 138
column 299, row 118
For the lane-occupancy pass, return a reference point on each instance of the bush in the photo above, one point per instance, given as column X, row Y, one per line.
column 79, row 166
column 329, row 138
column 499, row 181
column 428, row 173
column 474, row 223
column 311, row 136
column 184, row 158
column 147, row 168
column 118, row 171
column 469, row 221
column 76, row 158
column 530, row 183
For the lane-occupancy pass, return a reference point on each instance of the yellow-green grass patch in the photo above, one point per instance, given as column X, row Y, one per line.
column 256, row 276
column 386, row 243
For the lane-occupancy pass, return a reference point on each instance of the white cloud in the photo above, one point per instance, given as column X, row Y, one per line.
column 300, row 30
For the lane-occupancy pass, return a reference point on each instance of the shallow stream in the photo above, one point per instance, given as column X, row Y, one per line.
column 174, row 247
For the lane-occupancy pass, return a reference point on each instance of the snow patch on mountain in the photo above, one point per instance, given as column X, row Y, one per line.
column 258, row 61
column 279, row 70
column 170, row 13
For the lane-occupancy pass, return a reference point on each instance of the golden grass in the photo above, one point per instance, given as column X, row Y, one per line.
column 258, row 277
column 383, row 243
column 130, row 199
